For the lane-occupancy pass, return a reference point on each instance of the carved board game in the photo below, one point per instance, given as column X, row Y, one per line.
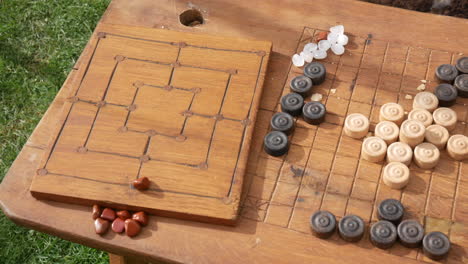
column 175, row 107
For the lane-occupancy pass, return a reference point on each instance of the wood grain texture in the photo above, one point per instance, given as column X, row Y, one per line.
column 389, row 51
column 175, row 107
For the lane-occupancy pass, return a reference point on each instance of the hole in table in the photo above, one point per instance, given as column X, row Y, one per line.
column 191, row 18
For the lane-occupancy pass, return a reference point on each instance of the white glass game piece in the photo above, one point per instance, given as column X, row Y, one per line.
column 324, row 45
column 297, row 60
column 333, row 37
column 339, row 29
column 320, row 54
column 342, row 39
column 337, row 49
column 307, row 56
column 310, row 47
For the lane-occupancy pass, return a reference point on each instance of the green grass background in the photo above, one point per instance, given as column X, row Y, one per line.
column 40, row 40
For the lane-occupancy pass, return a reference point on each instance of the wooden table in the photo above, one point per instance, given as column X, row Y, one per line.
column 390, row 51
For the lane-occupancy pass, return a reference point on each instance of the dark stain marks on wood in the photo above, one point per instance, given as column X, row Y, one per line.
column 297, row 172
column 369, row 39
column 353, row 83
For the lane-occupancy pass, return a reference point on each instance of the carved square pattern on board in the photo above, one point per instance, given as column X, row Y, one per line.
column 174, row 107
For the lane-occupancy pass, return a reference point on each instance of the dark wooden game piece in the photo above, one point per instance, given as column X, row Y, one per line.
column 351, row 228
column 436, row 245
column 316, row 72
column 462, row 65
column 292, row 104
column 410, row 233
column 140, row 217
column 301, row 85
column 283, row 122
column 276, row 143
column 132, row 227
column 118, row 226
column 391, row 210
column 101, row 226
column 383, row 234
column 141, row 184
column 446, row 73
column 323, row 224
column 96, row 211
column 108, row 214
column 124, row 214
column 447, row 94
column 314, row 113
column 461, row 83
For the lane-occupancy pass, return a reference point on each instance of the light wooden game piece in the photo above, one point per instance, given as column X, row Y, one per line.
column 373, row 149
column 396, row 175
column 425, row 100
column 421, row 115
column 426, row 155
column 437, row 135
column 399, row 152
column 356, row 125
column 412, row 132
column 445, row 117
column 388, row 131
column 457, row 147
column 392, row 112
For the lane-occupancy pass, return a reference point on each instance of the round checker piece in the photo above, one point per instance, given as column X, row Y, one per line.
column 410, row 233
column 446, row 93
column 391, row 210
column 392, row 112
column 316, row 72
column 351, row 228
column 356, row 125
column 283, row 122
column 323, row 224
column 383, row 234
column 457, row 147
column 445, row 117
column 396, row 175
column 421, row 115
column 301, row 85
column 462, row 65
column 446, row 72
column 399, row 152
column 292, row 104
column 373, row 149
column 388, row 131
column 426, row 155
column 314, row 113
column 461, row 83
column 437, row 135
column 276, row 143
column 412, row 132
column 436, row 245
column 425, row 100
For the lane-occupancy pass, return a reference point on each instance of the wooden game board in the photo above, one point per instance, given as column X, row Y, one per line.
column 174, row 107
column 322, row 169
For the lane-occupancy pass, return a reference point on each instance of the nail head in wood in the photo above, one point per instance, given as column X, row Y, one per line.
column 82, row 149
column 151, row 133
column 144, row 158
column 181, row 138
column 101, row 34
column 119, row 58
column 42, row 172
column 132, row 107
column 122, row 129
column 138, row 84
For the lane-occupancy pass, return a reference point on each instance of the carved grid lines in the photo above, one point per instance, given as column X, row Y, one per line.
column 373, row 105
column 143, row 158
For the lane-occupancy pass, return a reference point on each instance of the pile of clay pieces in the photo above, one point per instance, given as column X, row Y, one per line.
column 384, row 233
column 119, row 221
column 276, row 143
column 416, row 138
column 335, row 40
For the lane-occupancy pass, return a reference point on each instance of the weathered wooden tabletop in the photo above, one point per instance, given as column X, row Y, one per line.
column 390, row 51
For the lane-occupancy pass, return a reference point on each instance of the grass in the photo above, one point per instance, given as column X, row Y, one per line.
column 40, row 40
